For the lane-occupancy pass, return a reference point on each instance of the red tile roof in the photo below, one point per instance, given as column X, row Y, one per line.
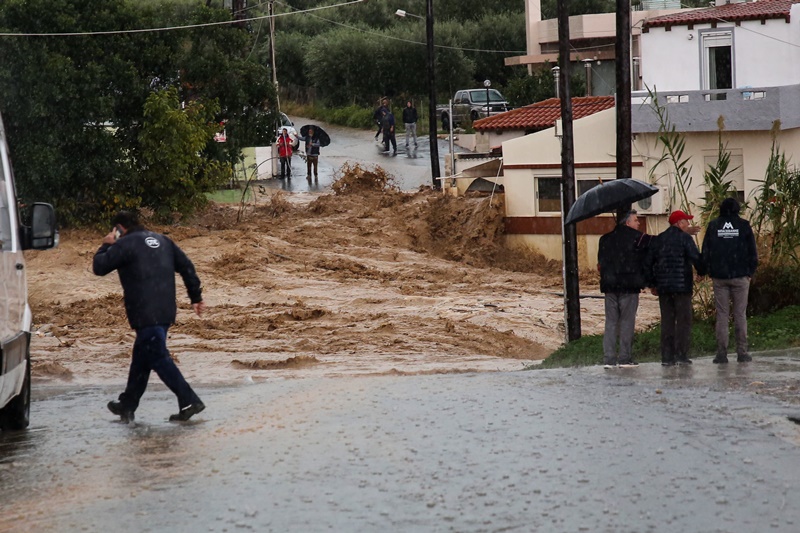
column 758, row 10
column 543, row 114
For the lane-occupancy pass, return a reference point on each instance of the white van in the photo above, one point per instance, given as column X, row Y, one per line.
column 15, row 315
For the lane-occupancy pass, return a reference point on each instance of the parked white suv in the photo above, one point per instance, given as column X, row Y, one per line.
column 15, row 314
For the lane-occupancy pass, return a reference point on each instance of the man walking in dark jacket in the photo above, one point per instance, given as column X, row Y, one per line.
column 669, row 271
column 147, row 263
column 388, row 132
column 620, row 261
column 730, row 257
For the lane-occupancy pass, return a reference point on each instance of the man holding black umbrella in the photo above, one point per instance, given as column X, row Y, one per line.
column 312, row 151
column 620, row 261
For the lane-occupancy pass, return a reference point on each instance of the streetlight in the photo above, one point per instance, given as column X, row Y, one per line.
column 432, row 131
column 487, row 84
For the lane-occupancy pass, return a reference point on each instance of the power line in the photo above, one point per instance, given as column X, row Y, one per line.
column 171, row 28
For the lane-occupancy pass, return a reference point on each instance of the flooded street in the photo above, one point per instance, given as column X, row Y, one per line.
column 649, row 449
column 361, row 359
column 411, row 169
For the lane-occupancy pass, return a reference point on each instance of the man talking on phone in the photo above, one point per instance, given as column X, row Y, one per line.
column 147, row 263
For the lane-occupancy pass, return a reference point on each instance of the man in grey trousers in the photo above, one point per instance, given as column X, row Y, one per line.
column 730, row 256
column 619, row 260
column 410, row 122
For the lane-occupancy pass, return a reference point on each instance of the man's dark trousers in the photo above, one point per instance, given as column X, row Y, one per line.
column 676, row 326
column 150, row 354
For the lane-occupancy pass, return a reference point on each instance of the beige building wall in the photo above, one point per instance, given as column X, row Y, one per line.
column 595, row 142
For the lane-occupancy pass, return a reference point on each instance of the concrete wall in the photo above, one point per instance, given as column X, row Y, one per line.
column 764, row 55
column 753, row 109
column 755, row 148
column 486, row 140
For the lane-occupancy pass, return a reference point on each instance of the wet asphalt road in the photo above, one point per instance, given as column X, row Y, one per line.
column 649, row 449
column 411, row 168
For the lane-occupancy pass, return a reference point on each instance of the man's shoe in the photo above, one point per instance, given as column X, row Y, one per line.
column 720, row 360
column 609, row 366
column 629, row 364
column 744, row 358
column 684, row 361
column 187, row 412
column 126, row 415
column 667, row 363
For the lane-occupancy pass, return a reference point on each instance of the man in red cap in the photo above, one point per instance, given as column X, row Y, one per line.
column 668, row 269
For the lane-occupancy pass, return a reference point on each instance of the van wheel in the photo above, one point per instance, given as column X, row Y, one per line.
column 474, row 116
column 445, row 122
column 16, row 414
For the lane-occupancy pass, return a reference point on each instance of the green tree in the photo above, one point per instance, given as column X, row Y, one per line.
column 173, row 176
column 74, row 105
column 540, row 85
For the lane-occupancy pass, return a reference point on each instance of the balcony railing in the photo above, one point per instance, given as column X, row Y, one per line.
column 744, row 109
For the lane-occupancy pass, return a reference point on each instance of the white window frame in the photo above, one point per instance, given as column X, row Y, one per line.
column 715, row 38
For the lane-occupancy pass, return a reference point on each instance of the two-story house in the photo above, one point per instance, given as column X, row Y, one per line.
column 737, row 61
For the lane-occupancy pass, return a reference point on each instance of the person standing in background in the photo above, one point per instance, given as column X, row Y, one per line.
column 668, row 269
column 410, row 122
column 731, row 258
column 378, row 116
column 312, row 152
column 388, row 132
column 285, row 154
column 620, row 260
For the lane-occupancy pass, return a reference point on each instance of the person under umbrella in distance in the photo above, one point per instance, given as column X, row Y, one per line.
column 312, row 151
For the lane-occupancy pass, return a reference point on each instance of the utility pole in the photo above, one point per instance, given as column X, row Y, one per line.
column 432, row 129
column 622, row 50
column 272, row 51
column 571, row 282
column 238, row 9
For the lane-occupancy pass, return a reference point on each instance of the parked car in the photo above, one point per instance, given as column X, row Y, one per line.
column 15, row 314
column 470, row 105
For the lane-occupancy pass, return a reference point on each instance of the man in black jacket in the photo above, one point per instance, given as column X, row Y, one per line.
column 730, row 256
column 669, row 271
column 410, row 122
column 619, row 259
column 147, row 263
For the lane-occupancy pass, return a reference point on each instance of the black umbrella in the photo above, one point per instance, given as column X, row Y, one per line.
column 609, row 196
column 319, row 133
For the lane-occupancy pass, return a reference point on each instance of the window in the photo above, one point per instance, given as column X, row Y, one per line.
column 548, row 195
column 585, row 185
column 717, row 50
column 735, row 174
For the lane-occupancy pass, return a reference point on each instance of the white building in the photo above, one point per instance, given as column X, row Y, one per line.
column 688, row 57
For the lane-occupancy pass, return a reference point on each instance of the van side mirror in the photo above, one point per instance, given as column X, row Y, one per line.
column 42, row 233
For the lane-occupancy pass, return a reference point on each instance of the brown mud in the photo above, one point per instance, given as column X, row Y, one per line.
column 366, row 280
